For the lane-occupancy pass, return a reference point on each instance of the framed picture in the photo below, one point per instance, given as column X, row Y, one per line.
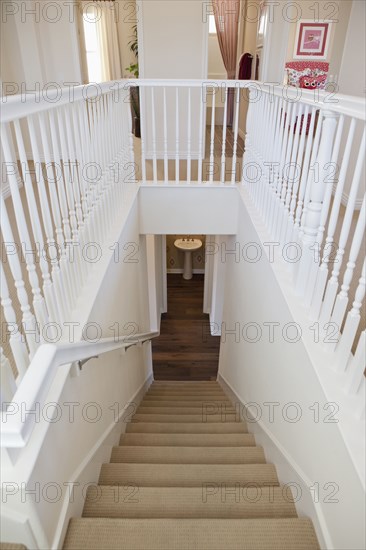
column 312, row 39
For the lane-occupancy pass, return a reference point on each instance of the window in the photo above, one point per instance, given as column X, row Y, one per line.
column 92, row 45
column 211, row 24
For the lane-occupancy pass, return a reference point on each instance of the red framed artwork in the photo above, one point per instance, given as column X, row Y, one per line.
column 312, row 39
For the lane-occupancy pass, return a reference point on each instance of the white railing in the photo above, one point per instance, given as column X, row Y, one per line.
column 69, row 159
column 304, row 157
column 17, row 426
column 64, row 158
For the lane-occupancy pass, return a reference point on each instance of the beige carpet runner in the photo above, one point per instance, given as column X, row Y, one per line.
column 187, row 475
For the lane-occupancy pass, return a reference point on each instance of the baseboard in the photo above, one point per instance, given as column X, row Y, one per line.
column 288, row 469
column 180, row 270
column 89, row 469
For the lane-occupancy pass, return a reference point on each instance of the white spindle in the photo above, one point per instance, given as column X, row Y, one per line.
column 189, row 137
column 143, row 118
column 329, row 242
column 332, row 287
column 53, row 305
column 28, row 320
column 153, row 129
column 201, row 125
column 341, row 302
column 315, row 200
column 70, row 287
column 224, row 128
column 304, row 176
column 165, row 122
column 236, row 129
column 177, row 156
column 296, row 185
column 212, row 142
column 17, row 344
column 28, row 252
column 314, row 270
column 352, row 323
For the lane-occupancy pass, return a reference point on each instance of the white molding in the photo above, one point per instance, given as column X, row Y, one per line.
column 288, row 470
column 68, row 509
column 180, row 270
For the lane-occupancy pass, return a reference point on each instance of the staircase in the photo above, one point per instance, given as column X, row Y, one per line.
column 188, row 475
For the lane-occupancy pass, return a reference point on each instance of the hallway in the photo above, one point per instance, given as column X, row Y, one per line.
column 185, row 350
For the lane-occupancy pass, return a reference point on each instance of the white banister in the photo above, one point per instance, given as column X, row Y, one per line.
column 16, row 429
column 294, row 141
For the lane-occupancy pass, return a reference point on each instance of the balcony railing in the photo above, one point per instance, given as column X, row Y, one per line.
column 70, row 159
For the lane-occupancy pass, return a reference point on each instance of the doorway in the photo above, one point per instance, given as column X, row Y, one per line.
column 185, row 349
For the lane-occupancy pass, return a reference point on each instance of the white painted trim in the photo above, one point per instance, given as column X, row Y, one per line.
column 288, row 470
column 67, row 510
column 180, row 270
column 164, row 307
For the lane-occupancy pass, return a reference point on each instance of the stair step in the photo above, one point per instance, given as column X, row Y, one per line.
column 176, row 398
column 188, row 455
column 187, row 427
column 204, row 417
column 188, row 391
column 165, row 403
column 189, row 475
column 181, row 502
column 184, row 384
column 191, row 440
column 183, row 534
column 205, row 409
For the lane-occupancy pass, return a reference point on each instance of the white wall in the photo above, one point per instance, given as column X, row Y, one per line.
column 181, row 210
column 282, row 25
column 352, row 75
column 172, row 44
column 39, row 43
column 281, row 372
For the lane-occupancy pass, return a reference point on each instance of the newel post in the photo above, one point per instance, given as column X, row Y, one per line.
column 315, row 192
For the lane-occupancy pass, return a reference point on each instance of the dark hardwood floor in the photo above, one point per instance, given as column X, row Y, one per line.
column 185, row 350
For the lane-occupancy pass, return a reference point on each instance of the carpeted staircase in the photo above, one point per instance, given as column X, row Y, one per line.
column 188, row 475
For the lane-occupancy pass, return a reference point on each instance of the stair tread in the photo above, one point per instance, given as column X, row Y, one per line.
column 188, row 455
column 191, row 398
column 185, row 439
column 184, row 534
column 187, row 475
column 188, row 502
column 202, row 416
column 194, row 404
column 186, row 427
column 204, row 408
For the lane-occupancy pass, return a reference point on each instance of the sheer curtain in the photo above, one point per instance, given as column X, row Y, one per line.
column 102, row 15
column 108, row 40
column 227, row 21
